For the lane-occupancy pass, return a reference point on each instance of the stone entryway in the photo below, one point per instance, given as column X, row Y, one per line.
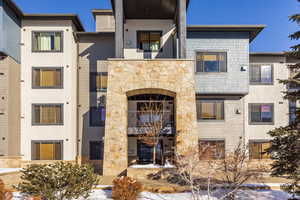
column 133, row 77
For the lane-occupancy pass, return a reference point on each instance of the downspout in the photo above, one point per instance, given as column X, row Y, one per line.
column 77, row 99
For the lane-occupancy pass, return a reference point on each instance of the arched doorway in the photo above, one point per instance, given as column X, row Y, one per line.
column 151, row 128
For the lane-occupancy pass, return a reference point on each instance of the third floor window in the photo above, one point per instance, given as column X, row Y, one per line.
column 261, row 74
column 47, row 41
column 149, row 40
column 211, row 62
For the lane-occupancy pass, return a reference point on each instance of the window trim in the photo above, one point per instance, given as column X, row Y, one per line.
column 215, row 100
column 47, row 104
column 257, row 141
column 90, row 117
column 42, row 31
column 260, row 83
column 93, row 75
column 260, row 123
column 214, row 140
column 47, row 68
column 211, row 51
column 102, row 146
column 49, row 141
column 146, row 31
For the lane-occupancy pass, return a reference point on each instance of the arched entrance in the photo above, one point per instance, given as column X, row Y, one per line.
column 151, row 128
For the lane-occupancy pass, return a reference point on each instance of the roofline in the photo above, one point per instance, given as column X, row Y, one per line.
column 254, row 30
column 12, row 5
column 94, row 33
column 50, row 16
column 102, row 11
column 267, row 54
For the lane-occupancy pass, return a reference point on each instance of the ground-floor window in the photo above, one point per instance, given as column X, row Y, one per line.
column 258, row 149
column 211, row 149
column 47, row 150
column 96, row 150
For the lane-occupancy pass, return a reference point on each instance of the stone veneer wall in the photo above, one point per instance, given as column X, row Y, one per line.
column 127, row 76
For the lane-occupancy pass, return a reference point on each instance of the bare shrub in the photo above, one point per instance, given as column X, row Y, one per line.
column 126, row 188
column 5, row 194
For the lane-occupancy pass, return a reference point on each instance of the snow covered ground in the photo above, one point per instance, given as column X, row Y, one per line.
column 245, row 195
column 9, row 170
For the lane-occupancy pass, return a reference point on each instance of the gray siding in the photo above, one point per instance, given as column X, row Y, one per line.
column 93, row 53
column 234, row 81
column 9, row 32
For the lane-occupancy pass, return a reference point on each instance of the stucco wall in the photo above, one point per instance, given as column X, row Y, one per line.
column 66, row 96
column 10, row 26
column 130, row 38
column 234, row 81
column 93, row 53
column 231, row 129
column 105, row 22
column 268, row 94
column 127, row 76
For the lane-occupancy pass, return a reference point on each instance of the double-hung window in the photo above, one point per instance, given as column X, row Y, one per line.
column 47, row 114
column 98, row 81
column 96, row 150
column 211, row 149
column 261, row 113
column 47, row 41
column 211, row 62
column 47, row 77
column 258, row 149
column 47, row 150
column 149, row 41
column 210, row 109
column 261, row 74
column 97, row 116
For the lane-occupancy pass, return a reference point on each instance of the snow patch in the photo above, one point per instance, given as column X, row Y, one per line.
column 9, row 170
column 149, row 166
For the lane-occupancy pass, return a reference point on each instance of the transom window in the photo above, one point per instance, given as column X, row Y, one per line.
column 210, row 109
column 96, row 150
column 97, row 116
column 149, row 40
column 47, row 41
column 98, row 81
column 47, row 114
column 261, row 113
column 258, row 150
column 261, row 74
column 211, row 149
column 211, row 62
column 47, row 77
column 47, row 150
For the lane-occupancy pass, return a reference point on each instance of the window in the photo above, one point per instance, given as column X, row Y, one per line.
column 47, row 150
column 96, row 150
column 97, row 116
column 261, row 113
column 292, row 112
column 211, row 62
column 210, row 109
column 258, row 149
column 47, row 41
column 47, row 77
column 261, row 74
column 212, row 149
column 149, row 40
column 98, row 81
column 47, row 114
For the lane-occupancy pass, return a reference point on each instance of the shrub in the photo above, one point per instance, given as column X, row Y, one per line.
column 126, row 188
column 57, row 181
column 5, row 194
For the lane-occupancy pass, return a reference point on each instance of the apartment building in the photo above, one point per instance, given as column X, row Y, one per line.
column 82, row 94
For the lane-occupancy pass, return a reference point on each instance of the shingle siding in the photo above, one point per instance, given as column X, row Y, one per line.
column 234, row 81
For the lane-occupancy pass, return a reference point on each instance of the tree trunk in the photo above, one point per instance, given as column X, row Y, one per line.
column 154, row 154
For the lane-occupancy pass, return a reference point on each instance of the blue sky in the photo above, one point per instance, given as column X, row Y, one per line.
column 273, row 13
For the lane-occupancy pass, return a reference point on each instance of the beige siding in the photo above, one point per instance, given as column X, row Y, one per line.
column 105, row 22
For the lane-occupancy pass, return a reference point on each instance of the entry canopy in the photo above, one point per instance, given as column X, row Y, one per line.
column 150, row 9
